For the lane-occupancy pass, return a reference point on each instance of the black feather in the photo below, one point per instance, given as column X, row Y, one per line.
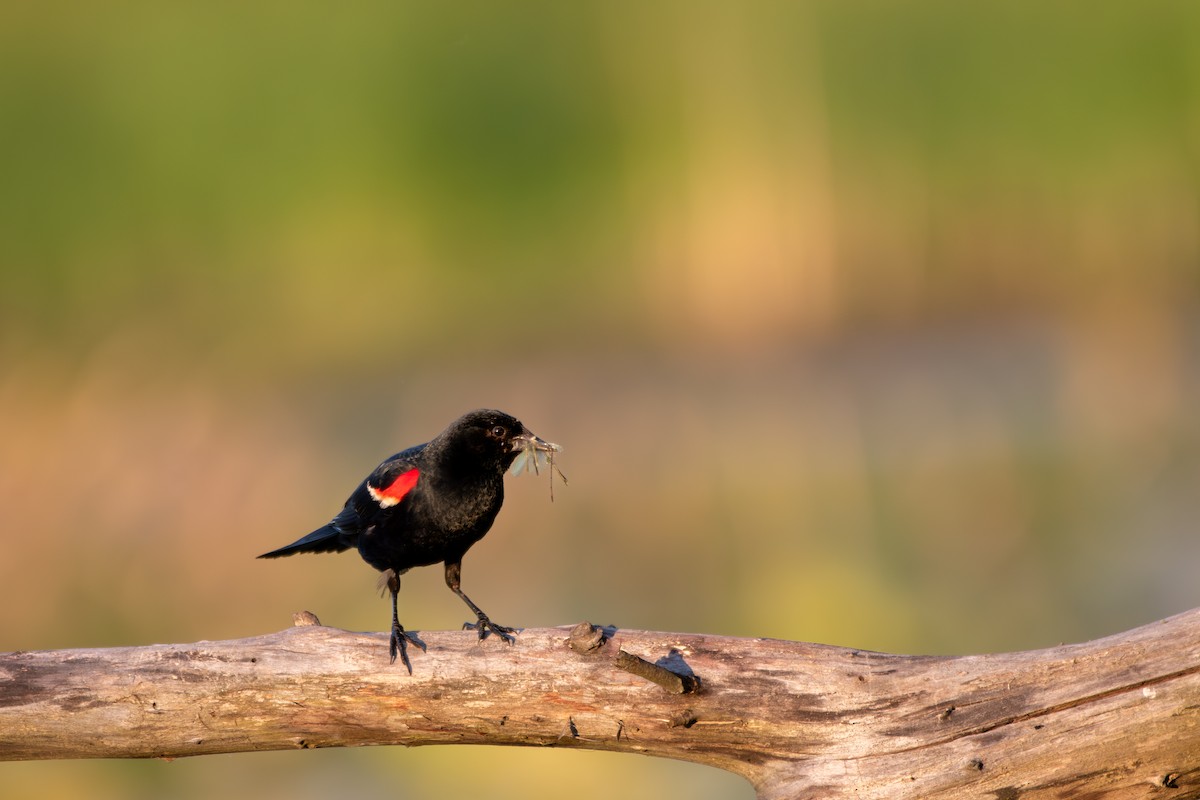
column 327, row 539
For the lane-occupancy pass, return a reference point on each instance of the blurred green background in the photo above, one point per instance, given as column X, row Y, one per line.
column 871, row 323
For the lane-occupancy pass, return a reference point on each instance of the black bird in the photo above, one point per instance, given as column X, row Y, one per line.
column 427, row 504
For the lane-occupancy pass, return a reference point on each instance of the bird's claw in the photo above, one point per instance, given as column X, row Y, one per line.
column 486, row 626
column 399, row 646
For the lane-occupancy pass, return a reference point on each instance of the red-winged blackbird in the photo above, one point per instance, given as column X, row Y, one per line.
column 427, row 504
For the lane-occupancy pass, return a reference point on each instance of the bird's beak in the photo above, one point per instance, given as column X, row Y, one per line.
column 527, row 441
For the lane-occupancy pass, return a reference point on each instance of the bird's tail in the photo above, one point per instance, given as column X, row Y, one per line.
column 323, row 540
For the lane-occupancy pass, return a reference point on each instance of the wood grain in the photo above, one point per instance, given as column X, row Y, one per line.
column 1114, row 718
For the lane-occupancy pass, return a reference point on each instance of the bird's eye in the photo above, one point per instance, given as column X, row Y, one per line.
column 499, row 431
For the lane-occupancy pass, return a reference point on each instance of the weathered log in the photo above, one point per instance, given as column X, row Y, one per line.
column 1114, row 718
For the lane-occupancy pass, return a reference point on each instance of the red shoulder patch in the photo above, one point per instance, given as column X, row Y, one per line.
column 394, row 492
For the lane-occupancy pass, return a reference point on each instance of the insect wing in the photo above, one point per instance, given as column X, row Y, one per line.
column 520, row 462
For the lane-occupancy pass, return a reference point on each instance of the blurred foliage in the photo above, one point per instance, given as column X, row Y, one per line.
column 866, row 323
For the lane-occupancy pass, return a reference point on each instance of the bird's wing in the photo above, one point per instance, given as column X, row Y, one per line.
column 387, row 485
column 384, row 488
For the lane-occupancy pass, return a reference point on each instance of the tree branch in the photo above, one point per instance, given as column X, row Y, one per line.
column 1118, row 717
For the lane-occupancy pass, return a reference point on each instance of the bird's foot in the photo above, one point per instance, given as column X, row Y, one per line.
column 399, row 645
column 486, row 626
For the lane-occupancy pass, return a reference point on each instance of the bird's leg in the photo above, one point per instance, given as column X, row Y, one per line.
column 483, row 625
column 400, row 637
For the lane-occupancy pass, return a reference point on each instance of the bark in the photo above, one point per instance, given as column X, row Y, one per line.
column 1114, row 718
